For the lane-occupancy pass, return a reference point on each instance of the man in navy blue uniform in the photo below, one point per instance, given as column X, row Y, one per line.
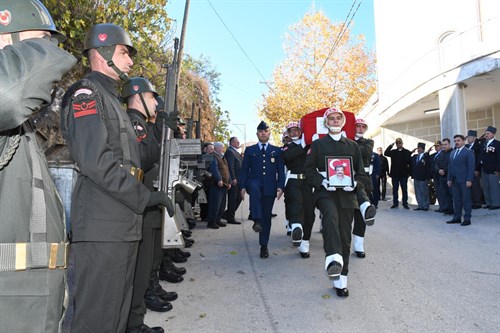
column 234, row 160
column 460, row 176
column 420, row 173
column 263, row 177
column 490, row 168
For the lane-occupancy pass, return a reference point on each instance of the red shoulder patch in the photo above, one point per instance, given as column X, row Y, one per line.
column 85, row 108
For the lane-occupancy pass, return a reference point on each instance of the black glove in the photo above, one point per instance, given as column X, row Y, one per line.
column 169, row 121
column 161, row 198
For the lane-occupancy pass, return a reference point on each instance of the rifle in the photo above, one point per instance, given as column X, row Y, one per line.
column 171, row 234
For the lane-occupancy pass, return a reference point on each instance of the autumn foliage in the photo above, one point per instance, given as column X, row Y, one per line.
column 323, row 67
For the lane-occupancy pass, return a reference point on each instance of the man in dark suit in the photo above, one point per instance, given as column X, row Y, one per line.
column 234, row 160
column 441, row 167
column 337, row 205
column 460, row 175
column 438, row 147
column 384, row 170
column 490, row 168
column 263, row 177
column 420, row 174
column 474, row 144
column 400, row 170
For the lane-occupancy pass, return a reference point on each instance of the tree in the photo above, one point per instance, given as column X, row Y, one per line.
column 148, row 25
column 323, row 67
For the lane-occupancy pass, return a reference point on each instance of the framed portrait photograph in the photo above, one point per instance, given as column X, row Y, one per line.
column 339, row 171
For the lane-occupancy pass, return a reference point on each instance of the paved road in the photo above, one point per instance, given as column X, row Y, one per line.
column 420, row 275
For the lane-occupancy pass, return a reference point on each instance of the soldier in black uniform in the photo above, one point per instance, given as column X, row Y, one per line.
column 337, row 205
column 109, row 197
column 32, row 227
column 366, row 212
column 140, row 96
column 298, row 193
column 441, row 163
column 384, row 170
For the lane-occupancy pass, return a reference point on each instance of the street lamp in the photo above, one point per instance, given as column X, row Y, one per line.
column 244, row 133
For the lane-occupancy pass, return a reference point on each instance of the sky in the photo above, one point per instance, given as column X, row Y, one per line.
column 259, row 26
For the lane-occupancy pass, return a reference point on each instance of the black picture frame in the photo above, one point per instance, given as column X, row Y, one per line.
column 335, row 167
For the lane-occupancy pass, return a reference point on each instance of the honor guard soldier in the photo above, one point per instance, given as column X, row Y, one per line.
column 298, row 193
column 140, row 96
column 263, row 177
column 337, row 205
column 365, row 215
column 109, row 197
column 33, row 246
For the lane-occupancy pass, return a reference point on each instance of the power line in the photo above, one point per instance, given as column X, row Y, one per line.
column 238, row 43
column 340, row 35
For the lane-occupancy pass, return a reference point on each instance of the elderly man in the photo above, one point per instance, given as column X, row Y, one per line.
column 490, row 168
column 420, row 172
column 337, row 205
column 234, row 161
column 218, row 190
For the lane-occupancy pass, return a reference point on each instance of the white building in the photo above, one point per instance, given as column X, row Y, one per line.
column 438, row 70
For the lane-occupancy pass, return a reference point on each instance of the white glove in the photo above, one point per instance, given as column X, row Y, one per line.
column 303, row 141
column 327, row 186
column 350, row 189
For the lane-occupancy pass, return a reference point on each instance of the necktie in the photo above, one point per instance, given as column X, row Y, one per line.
column 263, row 149
column 419, row 158
column 456, row 154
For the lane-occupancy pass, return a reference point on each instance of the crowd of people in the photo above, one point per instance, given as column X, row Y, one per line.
column 461, row 176
column 117, row 210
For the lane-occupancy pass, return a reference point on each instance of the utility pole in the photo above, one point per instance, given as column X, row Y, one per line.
column 181, row 46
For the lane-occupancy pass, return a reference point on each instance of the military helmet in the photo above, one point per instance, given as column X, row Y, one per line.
column 361, row 121
column 17, row 16
column 106, row 34
column 331, row 111
column 137, row 85
column 292, row 125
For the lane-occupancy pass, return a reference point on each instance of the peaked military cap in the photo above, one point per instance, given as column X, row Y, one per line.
column 421, row 145
column 262, row 126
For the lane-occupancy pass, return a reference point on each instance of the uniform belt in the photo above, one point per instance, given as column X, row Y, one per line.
column 137, row 173
column 297, row 176
column 367, row 169
column 19, row 256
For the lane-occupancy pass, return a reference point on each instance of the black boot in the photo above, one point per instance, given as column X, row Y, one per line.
column 155, row 288
column 175, row 256
column 170, row 265
column 185, row 254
